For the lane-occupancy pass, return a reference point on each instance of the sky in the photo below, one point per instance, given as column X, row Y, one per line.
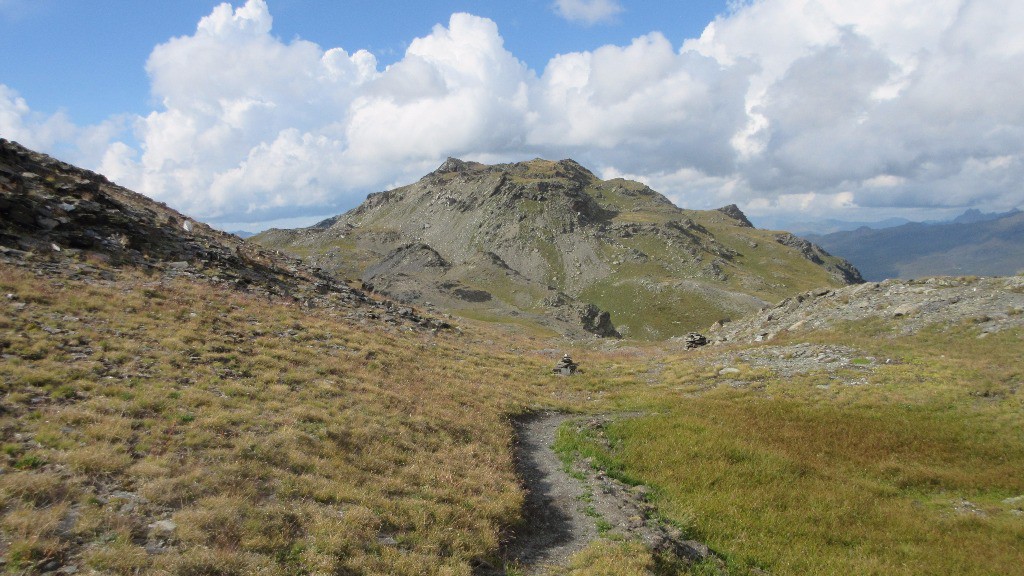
column 258, row 113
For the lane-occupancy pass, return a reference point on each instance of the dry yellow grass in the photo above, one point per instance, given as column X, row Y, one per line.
column 278, row 439
column 275, row 438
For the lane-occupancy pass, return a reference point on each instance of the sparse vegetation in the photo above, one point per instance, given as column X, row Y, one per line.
column 274, row 439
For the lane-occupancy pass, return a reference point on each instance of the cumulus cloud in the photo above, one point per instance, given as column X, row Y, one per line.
column 249, row 124
column 255, row 128
column 19, row 123
column 913, row 93
column 55, row 132
column 642, row 108
column 815, row 106
column 587, row 11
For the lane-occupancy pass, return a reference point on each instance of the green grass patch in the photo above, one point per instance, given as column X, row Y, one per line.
column 906, row 474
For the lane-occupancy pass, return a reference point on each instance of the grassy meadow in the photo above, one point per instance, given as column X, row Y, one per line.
column 155, row 426
column 915, row 469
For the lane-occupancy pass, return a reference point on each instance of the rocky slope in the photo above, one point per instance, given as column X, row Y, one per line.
column 548, row 244
column 992, row 304
column 60, row 219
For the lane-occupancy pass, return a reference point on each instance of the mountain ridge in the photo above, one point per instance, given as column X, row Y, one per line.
column 550, row 244
column 74, row 221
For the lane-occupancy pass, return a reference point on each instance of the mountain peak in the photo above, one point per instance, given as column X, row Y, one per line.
column 453, row 164
column 546, row 243
column 975, row 216
column 537, row 168
column 733, row 211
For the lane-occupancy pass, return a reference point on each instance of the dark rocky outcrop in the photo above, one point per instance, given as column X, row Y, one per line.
column 841, row 270
column 597, row 321
column 694, row 340
column 733, row 211
column 470, row 295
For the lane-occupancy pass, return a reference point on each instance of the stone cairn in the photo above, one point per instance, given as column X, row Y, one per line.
column 565, row 366
column 695, row 340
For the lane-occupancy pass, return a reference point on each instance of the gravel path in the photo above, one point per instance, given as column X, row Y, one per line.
column 562, row 513
column 555, row 521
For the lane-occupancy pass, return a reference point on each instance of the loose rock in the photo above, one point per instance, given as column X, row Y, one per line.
column 565, row 366
column 695, row 340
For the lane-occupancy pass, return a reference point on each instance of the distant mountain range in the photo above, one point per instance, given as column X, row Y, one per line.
column 974, row 243
column 549, row 245
column 832, row 225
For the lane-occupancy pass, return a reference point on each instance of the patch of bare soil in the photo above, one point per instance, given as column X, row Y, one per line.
column 567, row 510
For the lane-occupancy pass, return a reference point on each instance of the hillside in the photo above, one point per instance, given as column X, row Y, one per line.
column 176, row 401
column 71, row 220
column 972, row 244
column 548, row 244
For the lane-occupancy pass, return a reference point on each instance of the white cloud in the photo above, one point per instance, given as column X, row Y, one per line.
column 641, row 107
column 817, row 106
column 255, row 128
column 19, row 123
column 54, row 133
column 588, row 11
column 915, row 94
column 250, row 125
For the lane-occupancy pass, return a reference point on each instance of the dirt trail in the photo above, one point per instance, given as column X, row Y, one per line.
column 556, row 525
column 563, row 514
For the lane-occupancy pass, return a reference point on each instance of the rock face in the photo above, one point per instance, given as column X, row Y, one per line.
column 841, row 270
column 991, row 304
column 694, row 340
column 549, row 244
column 733, row 211
column 59, row 218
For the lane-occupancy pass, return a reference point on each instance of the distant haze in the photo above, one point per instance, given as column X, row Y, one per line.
column 973, row 244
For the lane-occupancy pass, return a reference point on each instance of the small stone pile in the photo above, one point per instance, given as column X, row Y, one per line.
column 565, row 366
column 695, row 340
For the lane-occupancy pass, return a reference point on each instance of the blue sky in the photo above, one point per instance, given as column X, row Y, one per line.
column 256, row 113
column 88, row 56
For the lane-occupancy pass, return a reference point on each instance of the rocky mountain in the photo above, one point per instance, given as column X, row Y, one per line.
column 973, row 243
column 61, row 219
column 549, row 245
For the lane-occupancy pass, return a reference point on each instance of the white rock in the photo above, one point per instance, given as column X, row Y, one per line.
column 165, row 526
